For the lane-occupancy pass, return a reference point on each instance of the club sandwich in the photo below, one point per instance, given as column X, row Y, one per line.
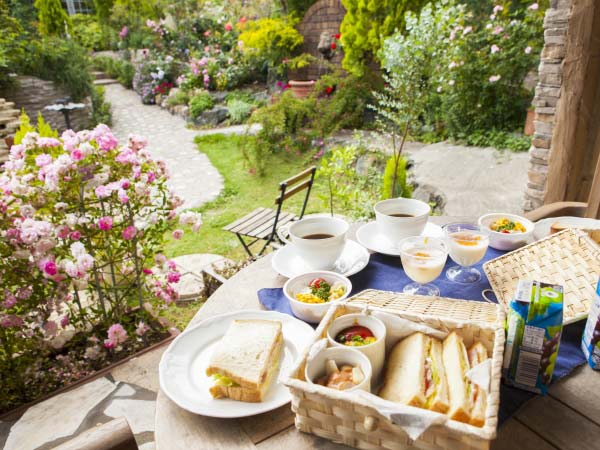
column 246, row 360
column 415, row 374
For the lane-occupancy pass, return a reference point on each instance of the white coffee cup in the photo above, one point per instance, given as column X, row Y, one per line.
column 316, row 367
column 319, row 241
column 396, row 227
column 375, row 351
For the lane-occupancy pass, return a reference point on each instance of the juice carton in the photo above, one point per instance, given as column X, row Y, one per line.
column 534, row 327
column 590, row 343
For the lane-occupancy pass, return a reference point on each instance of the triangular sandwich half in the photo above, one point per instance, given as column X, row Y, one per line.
column 246, row 360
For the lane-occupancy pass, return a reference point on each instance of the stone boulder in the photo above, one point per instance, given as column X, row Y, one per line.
column 212, row 117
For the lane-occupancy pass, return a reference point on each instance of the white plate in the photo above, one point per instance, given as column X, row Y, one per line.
column 369, row 236
column 288, row 263
column 182, row 369
column 542, row 227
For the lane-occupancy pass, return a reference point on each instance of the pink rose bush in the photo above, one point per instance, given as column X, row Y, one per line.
column 79, row 213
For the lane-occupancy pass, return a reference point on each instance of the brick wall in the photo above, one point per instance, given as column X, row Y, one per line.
column 547, row 96
column 33, row 94
column 325, row 15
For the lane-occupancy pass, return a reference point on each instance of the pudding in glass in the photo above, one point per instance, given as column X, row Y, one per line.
column 423, row 260
column 467, row 244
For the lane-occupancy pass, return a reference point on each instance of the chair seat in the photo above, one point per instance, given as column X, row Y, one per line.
column 259, row 223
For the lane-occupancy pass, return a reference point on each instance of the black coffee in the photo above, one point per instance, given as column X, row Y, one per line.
column 401, row 215
column 317, row 236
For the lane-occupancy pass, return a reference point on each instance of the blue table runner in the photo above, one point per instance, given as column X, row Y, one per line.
column 385, row 273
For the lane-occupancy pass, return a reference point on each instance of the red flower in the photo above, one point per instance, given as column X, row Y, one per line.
column 338, row 36
column 333, row 46
column 328, row 90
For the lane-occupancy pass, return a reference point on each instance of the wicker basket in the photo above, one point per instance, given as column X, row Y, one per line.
column 345, row 418
column 569, row 258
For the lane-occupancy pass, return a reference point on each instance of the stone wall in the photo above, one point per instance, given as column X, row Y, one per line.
column 323, row 16
column 547, row 96
column 33, row 94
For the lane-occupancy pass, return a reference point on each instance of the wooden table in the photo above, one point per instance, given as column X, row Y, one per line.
column 568, row 418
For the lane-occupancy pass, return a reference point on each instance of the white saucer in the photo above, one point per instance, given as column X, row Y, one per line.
column 370, row 237
column 288, row 263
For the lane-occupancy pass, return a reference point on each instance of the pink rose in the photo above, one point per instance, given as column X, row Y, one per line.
column 173, row 277
column 147, row 271
column 77, row 155
column 108, row 344
column 102, row 191
column 64, row 321
column 49, row 267
column 123, row 197
column 228, row 26
column 129, row 233
column 105, row 223
column 117, row 334
column 177, row 234
column 43, row 160
column 75, row 235
column 141, row 329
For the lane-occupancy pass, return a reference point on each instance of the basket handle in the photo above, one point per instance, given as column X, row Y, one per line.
column 370, row 423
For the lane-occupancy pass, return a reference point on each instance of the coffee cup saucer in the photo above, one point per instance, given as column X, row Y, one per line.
column 370, row 237
column 289, row 264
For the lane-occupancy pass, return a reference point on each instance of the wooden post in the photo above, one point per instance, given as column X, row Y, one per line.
column 574, row 149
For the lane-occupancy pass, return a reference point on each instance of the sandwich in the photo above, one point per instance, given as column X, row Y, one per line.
column 467, row 400
column 560, row 226
column 415, row 374
column 477, row 354
column 246, row 360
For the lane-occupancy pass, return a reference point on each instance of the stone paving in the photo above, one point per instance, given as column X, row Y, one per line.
column 193, row 177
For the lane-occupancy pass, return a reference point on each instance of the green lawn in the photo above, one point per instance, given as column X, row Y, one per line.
column 243, row 192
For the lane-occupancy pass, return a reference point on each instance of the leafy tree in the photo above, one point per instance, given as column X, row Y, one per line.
column 53, row 18
column 103, row 9
column 297, row 8
column 366, row 24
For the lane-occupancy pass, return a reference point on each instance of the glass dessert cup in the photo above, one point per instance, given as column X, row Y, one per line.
column 423, row 260
column 467, row 244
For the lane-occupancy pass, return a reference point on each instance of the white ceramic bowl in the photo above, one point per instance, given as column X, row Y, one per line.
column 506, row 241
column 397, row 228
column 312, row 312
column 315, row 367
column 375, row 351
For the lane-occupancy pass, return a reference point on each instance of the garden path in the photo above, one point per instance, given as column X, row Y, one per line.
column 193, row 177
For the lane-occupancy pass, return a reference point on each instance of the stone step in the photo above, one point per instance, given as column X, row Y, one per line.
column 105, row 82
column 6, row 105
column 99, row 75
column 10, row 112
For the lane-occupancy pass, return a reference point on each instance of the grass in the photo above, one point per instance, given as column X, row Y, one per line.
column 244, row 191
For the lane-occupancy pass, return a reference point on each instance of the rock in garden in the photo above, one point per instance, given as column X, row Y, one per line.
column 213, row 116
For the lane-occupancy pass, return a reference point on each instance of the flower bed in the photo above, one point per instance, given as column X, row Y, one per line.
column 82, row 221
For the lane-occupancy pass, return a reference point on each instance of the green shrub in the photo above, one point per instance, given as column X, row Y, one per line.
column 62, row 61
column 395, row 186
column 180, row 97
column 122, row 70
column 497, row 139
column 100, row 108
column 86, row 31
column 11, row 44
column 298, row 8
column 366, row 24
column 200, row 103
column 271, row 40
column 53, row 19
column 239, row 110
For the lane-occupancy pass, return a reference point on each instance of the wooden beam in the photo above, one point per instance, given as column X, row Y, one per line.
column 575, row 114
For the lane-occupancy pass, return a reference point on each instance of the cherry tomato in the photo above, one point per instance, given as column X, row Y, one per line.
column 356, row 330
column 505, row 231
column 316, row 283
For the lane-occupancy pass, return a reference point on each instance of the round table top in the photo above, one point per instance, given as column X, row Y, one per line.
column 177, row 429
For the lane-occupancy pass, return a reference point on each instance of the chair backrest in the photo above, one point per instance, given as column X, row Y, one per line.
column 593, row 203
column 293, row 185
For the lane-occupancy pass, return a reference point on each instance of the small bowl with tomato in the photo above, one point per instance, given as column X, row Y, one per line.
column 312, row 293
column 507, row 231
column 363, row 332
